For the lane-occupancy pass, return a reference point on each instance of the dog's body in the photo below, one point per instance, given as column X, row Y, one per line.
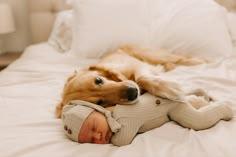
column 119, row 76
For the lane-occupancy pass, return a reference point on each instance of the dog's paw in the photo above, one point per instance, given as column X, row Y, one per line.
column 161, row 87
column 170, row 90
column 201, row 93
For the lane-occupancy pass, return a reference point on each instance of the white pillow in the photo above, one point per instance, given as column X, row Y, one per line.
column 180, row 26
column 61, row 35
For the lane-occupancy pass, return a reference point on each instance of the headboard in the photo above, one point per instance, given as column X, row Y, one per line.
column 42, row 15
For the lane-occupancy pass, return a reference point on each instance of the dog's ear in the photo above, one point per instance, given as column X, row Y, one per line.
column 60, row 105
column 59, row 110
column 113, row 75
column 71, row 76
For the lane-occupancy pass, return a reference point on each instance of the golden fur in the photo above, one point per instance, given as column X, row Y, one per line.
column 119, row 76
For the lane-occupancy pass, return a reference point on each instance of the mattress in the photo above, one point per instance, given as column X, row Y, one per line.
column 31, row 87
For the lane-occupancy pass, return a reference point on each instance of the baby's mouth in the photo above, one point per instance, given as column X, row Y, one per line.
column 108, row 136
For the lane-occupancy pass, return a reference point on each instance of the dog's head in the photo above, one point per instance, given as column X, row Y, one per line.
column 99, row 85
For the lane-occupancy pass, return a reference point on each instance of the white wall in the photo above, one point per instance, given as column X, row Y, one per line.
column 18, row 40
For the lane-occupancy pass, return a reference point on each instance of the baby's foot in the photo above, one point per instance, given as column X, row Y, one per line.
column 228, row 112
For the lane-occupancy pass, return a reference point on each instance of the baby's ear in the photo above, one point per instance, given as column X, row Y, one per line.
column 108, row 73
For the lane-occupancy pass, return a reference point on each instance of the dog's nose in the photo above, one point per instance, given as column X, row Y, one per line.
column 132, row 93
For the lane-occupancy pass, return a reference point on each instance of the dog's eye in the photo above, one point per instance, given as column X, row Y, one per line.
column 100, row 102
column 98, row 81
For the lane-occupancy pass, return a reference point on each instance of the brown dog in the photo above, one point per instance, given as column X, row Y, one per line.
column 119, row 76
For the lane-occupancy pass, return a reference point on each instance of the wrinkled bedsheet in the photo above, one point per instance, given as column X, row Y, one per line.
column 30, row 89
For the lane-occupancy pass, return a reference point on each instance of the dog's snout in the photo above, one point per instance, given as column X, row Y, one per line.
column 132, row 93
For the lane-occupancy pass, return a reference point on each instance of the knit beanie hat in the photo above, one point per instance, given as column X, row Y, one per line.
column 75, row 113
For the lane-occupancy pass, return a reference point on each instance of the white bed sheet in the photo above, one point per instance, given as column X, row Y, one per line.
column 30, row 88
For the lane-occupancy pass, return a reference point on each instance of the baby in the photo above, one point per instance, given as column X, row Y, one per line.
column 86, row 122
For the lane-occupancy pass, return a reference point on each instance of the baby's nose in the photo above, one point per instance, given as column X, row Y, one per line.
column 97, row 137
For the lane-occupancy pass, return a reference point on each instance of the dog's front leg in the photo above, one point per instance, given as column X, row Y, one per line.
column 160, row 87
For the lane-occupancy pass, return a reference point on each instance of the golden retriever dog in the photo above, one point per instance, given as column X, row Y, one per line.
column 120, row 76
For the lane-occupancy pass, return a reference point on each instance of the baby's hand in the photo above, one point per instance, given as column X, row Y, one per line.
column 110, row 108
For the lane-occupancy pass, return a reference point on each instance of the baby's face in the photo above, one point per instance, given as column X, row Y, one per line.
column 95, row 129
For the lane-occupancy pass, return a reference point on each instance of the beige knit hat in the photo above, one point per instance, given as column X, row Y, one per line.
column 75, row 112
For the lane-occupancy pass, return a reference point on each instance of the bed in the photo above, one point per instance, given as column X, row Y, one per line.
column 31, row 87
